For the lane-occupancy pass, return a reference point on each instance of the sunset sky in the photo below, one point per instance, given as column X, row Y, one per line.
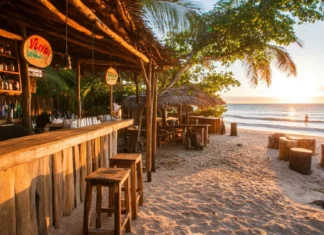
column 307, row 87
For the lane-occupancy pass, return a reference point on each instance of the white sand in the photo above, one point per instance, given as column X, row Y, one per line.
column 227, row 189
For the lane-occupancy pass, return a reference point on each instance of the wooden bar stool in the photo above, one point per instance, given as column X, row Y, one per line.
column 114, row 178
column 132, row 161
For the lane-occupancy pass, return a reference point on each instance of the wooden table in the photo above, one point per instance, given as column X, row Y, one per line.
column 214, row 122
column 185, row 126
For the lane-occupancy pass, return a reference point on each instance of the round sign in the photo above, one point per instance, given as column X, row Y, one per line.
column 37, row 51
column 111, row 76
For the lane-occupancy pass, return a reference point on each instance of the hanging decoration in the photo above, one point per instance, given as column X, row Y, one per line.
column 66, row 57
column 111, row 76
column 37, row 51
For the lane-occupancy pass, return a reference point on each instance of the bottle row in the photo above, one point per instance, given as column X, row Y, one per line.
column 10, row 110
column 9, row 84
column 5, row 48
column 7, row 66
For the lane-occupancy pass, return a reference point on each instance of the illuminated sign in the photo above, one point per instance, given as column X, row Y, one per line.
column 111, row 76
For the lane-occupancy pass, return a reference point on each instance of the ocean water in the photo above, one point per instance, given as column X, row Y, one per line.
column 287, row 118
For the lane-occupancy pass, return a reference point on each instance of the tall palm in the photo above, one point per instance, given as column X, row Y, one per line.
column 165, row 16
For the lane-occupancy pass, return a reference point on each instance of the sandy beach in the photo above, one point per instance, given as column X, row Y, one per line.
column 234, row 186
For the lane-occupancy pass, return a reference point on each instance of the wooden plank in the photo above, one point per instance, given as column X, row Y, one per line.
column 110, row 143
column 101, row 151
column 76, row 158
column 105, row 150
column 68, row 181
column 29, row 148
column 7, row 202
column 89, row 157
column 83, row 169
column 95, row 158
column 25, row 198
column 58, row 189
column 114, row 144
column 44, row 195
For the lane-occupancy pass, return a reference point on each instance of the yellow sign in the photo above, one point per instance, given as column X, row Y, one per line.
column 37, row 51
column 111, row 76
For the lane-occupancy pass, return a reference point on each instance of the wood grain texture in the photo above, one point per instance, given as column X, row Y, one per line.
column 58, row 190
column 77, row 186
column 68, row 181
column 29, row 148
column 83, row 169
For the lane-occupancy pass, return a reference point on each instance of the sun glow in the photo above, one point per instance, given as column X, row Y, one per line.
column 294, row 91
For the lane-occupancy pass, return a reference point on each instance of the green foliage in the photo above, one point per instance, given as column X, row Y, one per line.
column 212, row 112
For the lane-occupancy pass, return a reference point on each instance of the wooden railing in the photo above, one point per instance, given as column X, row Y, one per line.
column 42, row 176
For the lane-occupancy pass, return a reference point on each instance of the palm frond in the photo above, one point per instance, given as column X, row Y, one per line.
column 251, row 70
column 283, row 61
column 169, row 16
column 58, row 80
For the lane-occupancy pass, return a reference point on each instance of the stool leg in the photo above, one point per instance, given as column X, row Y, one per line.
column 140, row 182
column 133, row 191
column 111, row 199
column 98, row 206
column 87, row 207
column 128, row 206
column 117, row 203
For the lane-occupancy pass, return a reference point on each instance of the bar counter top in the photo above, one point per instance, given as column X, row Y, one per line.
column 25, row 149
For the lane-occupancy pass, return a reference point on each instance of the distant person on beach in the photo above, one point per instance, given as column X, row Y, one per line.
column 306, row 119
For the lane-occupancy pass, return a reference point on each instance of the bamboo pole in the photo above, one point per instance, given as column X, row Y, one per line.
column 26, row 96
column 70, row 22
column 154, row 125
column 78, row 73
column 104, row 28
column 7, row 34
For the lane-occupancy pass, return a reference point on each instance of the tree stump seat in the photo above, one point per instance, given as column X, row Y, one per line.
column 300, row 160
column 285, row 143
column 273, row 140
column 233, row 129
column 114, row 178
column 133, row 161
column 322, row 155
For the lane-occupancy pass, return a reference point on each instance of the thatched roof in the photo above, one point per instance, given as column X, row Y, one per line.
column 123, row 17
column 188, row 95
column 184, row 95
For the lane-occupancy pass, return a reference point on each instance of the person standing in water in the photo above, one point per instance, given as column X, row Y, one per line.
column 306, row 119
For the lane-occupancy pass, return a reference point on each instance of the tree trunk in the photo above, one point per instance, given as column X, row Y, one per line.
column 154, row 118
column 164, row 116
column 78, row 74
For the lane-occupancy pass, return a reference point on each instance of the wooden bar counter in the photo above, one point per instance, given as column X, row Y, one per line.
column 42, row 176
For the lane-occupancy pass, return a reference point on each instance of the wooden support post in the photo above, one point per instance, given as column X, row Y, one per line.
column 180, row 114
column 154, row 117
column 78, row 74
column 233, row 129
column 26, row 96
column 111, row 100
column 322, row 155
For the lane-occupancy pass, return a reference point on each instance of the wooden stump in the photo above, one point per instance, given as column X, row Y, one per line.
column 233, row 129
column 300, row 160
column 284, row 147
column 273, row 140
column 322, row 155
column 309, row 144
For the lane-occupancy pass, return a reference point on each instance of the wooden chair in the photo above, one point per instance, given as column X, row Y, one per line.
column 133, row 161
column 114, row 178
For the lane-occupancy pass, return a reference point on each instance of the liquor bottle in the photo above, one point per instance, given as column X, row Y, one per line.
column 10, row 86
column 3, row 110
column 1, row 83
column 6, row 85
column 11, row 67
column 7, row 49
column 17, row 85
column 19, row 110
column 1, row 49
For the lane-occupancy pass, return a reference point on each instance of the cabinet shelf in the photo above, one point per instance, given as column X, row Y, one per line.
column 8, row 56
column 10, row 92
column 9, row 72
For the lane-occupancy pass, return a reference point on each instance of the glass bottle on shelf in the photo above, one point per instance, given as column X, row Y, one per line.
column 1, row 83
column 3, row 110
column 17, row 86
column 7, row 49
column 2, row 65
column 10, row 86
column 2, row 51
column 6, row 85
column 11, row 67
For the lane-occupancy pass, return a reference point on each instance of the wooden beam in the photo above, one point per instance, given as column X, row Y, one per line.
column 104, row 28
column 26, row 96
column 7, row 34
column 106, row 63
column 70, row 22
column 154, row 117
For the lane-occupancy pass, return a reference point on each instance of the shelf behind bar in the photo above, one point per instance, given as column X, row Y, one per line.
column 9, row 72
column 8, row 56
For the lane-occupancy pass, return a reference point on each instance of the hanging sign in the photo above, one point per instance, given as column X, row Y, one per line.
column 37, row 51
column 111, row 76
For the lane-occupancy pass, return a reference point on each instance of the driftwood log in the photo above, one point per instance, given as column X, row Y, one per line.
column 322, row 155
column 284, row 146
column 273, row 140
column 233, row 129
column 300, row 160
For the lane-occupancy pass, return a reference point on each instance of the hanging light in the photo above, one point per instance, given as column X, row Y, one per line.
column 66, row 57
